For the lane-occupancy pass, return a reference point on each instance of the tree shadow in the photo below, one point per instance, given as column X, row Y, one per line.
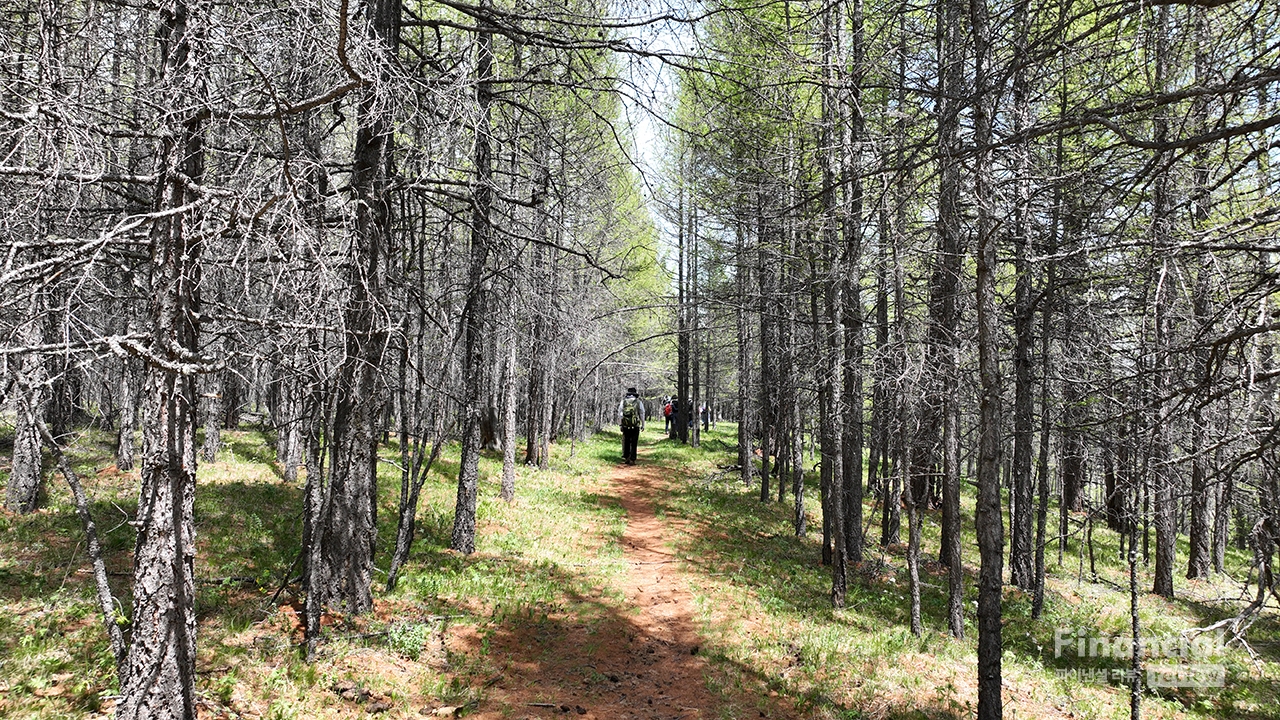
column 752, row 545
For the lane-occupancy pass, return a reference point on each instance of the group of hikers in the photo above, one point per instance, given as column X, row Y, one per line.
column 631, row 419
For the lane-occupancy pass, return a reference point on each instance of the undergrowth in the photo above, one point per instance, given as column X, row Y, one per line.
column 552, row 559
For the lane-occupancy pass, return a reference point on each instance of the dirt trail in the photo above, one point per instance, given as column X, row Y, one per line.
column 642, row 662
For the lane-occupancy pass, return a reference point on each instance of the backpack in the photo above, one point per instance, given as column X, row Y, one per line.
column 666, row 410
column 631, row 413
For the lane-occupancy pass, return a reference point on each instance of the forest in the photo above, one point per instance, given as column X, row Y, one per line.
column 315, row 318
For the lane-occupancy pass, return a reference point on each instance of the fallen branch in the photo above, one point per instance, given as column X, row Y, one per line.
column 106, row 601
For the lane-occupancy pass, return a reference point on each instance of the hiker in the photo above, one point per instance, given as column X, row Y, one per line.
column 673, row 420
column 666, row 413
column 631, row 419
column 706, row 417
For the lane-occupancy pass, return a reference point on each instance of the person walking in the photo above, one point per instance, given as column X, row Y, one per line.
column 631, row 419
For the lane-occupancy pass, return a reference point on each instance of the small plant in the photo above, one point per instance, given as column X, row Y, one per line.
column 225, row 687
column 408, row 639
column 282, row 710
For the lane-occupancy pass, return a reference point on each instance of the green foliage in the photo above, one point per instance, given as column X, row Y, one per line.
column 408, row 638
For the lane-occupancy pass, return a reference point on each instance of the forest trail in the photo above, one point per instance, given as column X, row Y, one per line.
column 643, row 661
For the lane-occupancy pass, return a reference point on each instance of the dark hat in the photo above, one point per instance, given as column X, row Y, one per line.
column 631, row 391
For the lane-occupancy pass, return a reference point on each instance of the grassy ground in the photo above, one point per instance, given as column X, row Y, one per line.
column 549, row 559
column 766, row 608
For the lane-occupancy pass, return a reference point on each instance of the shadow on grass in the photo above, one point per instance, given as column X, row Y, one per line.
column 554, row 635
column 752, row 546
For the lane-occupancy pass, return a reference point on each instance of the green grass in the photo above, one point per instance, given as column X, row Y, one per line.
column 551, row 560
column 766, row 606
column 553, row 551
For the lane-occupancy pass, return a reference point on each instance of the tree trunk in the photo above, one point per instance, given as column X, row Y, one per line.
column 234, row 395
column 1222, row 518
column 833, row 345
column 351, row 512
column 1021, row 565
column 692, row 349
column 878, row 448
column 895, row 428
column 315, row 509
column 213, row 413
column 541, row 345
column 990, row 524
column 913, row 517
column 893, row 468
column 852, row 298
column 415, row 476
column 26, row 479
column 795, row 433
column 944, row 314
column 509, row 421
column 834, row 349
column 768, row 345
column 1112, row 487
column 160, row 680
column 826, row 441
column 1201, row 502
column 289, row 449
column 1135, row 658
column 128, row 415
column 1046, row 324
column 1162, row 202
column 744, row 358
column 464, row 520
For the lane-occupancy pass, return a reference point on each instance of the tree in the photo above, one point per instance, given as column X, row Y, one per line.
column 160, row 677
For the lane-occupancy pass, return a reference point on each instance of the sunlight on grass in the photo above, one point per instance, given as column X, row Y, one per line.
column 765, row 605
column 552, row 560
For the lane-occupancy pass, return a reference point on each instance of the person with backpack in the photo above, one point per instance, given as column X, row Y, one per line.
column 631, row 419
column 666, row 413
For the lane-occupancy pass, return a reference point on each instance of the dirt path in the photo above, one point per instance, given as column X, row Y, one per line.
column 641, row 662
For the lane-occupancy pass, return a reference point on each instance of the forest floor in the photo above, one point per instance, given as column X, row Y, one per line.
column 647, row 655
column 657, row 591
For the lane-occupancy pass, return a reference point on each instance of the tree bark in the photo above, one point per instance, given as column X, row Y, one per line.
column 541, row 346
column 817, row 290
column 351, row 511
column 744, row 357
column 851, row 168
column 1222, row 519
column 213, row 414
column 26, row 477
column 315, row 510
column 833, row 345
column 1161, row 473
column 160, row 679
column 913, row 516
column 464, row 520
column 766, row 416
column 509, row 421
column 1201, row 502
column 944, row 315
column 990, row 523
column 128, row 421
column 1021, row 565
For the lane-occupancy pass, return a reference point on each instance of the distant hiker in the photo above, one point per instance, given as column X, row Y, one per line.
column 673, row 424
column 631, row 419
column 706, row 417
column 666, row 413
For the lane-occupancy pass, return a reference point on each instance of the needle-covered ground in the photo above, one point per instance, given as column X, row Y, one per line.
column 661, row 590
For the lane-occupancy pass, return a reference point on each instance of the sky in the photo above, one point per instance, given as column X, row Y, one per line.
column 651, row 93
